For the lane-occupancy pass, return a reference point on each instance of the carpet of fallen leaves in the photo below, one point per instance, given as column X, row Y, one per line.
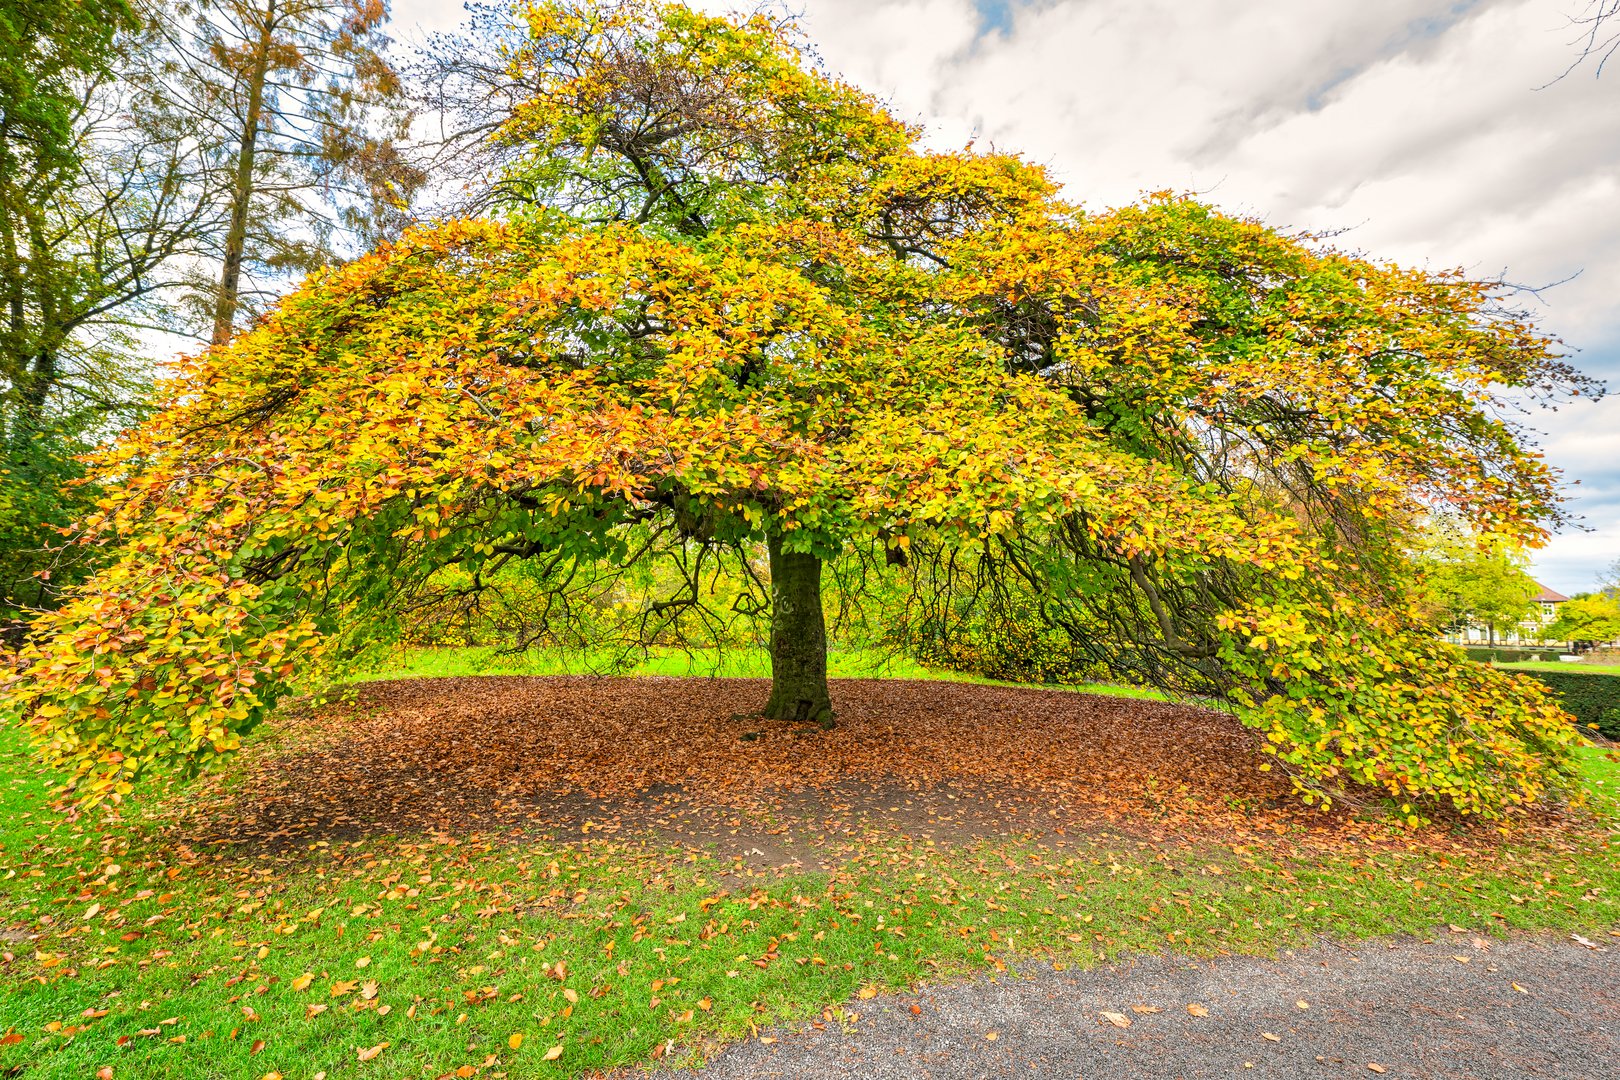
column 686, row 759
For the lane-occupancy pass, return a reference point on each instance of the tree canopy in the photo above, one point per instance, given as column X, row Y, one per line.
column 727, row 303
column 1589, row 619
column 1474, row 580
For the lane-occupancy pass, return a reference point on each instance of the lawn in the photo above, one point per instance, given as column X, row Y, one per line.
column 745, row 663
column 151, row 943
column 1556, row 665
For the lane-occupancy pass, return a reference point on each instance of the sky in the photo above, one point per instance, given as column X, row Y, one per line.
column 1429, row 133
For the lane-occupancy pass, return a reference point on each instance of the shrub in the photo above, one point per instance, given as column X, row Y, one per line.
column 1486, row 654
column 1590, row 696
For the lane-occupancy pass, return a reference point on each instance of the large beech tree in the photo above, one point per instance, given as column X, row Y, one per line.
column 731, row 310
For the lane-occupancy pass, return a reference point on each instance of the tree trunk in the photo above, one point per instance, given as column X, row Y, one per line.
column 798, row 639
column 230, row 274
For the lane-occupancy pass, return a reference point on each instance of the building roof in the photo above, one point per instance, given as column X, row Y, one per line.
column 1545, row 595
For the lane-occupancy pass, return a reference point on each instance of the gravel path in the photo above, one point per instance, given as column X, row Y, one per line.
column 1448, row 1007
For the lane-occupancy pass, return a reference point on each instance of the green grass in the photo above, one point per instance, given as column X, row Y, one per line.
column 741, row 663
column 463, row 937
column 1556, row 665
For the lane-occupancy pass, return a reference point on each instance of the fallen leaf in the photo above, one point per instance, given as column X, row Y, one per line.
column 916, row 1010
column 303, row 981
column 1269, row 1037
column 571, row 994
column 1196, row 1009
column 1375, row 1067
column 104, row 1073
column 515, row 1040
column 992, row 1036
column 363, row 961
column 1119, row 1020
column 1145, row 1009
column 1302, row 1004
column 1519, row 988
column 371, row 1052
column 705, row 1004
column 553, row 1054
column 258, row 1045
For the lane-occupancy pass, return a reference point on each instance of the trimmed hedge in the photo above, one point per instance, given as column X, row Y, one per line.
column 1590, row 696
column 1503, row 655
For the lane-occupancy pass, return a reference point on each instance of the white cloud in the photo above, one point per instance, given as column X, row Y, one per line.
column 1415, row 124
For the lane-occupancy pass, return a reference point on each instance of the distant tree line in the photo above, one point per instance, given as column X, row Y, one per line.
column 167, row 167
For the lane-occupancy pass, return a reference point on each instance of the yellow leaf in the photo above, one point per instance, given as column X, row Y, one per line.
column 303, row 981
column 553, row 1054
column 371, row 1052
column 515, row 1040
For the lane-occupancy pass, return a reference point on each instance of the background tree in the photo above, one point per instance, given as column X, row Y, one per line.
column 101, row 201
column 301, row 114
column 731, row 310
column 1474, row 581
column 1609, row 579
column 1598, row 38
column 1587, row 619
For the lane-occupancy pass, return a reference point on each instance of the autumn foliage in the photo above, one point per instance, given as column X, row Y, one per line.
column 731, row 305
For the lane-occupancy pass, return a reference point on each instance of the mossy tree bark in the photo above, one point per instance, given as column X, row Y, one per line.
column 798, row 638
